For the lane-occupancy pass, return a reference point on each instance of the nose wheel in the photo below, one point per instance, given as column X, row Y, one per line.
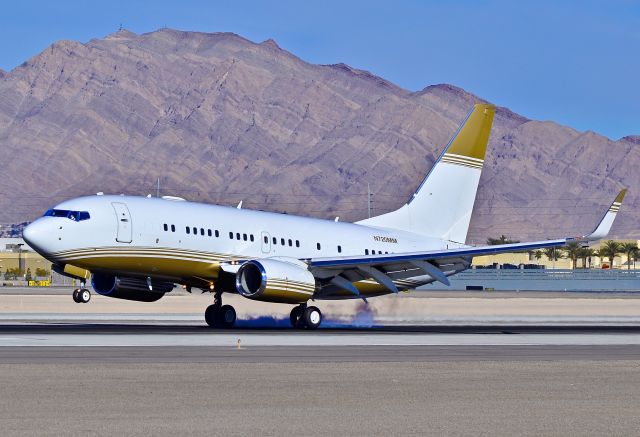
column 305, row 317
column 218, row 315
column 81, row 295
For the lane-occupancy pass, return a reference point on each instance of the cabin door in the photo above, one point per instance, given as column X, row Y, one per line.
column 124, row 222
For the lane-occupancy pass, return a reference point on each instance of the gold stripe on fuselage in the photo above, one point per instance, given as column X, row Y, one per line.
column 153, row 266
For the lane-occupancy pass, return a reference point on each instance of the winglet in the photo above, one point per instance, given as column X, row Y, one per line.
column 605, row 224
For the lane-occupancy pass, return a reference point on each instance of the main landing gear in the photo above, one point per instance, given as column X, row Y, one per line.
column 81, row 295
column 305, row 317
column 218, row 315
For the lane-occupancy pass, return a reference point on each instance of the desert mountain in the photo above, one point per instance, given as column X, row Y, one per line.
column 222, row 119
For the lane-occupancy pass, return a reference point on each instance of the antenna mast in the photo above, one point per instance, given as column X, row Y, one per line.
column 369, row 194
column 158, row 188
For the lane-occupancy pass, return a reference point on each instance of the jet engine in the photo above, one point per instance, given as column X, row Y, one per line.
column 129, row 288
column 275, row 280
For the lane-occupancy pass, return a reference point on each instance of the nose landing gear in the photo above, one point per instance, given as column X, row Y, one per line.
column 305, row 317
column 81, row 295
column 218, row 315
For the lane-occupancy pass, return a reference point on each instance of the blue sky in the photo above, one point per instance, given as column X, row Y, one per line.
column 574, row 62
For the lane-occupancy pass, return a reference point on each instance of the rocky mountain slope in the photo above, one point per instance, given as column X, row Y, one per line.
column 222, row 119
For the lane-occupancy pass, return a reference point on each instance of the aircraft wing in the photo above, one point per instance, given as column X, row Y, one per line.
column 342, row 271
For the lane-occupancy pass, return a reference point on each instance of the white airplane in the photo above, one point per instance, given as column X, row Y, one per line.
column 138, row 248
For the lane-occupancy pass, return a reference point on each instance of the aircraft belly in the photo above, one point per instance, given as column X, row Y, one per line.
column 155, row 262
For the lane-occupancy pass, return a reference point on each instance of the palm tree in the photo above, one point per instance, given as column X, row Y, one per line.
column 538, row 254
column 631, row 249
column 553, row 254
column 573, row 251
column 610, row 249
column 587, row 253
column 502, row 239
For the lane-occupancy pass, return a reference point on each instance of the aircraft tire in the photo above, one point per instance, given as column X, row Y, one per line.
column 294, row 317
column 84, row 295
column 226, row 317
column 312, row 318
column 76, row 296
column 210, row 315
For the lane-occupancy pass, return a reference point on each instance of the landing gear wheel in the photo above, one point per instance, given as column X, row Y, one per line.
column 218, row 316
column 84, row 295
column 76, row 296
column 294, row 317
column 210, row 315
column 312, row 317
column 226, row 316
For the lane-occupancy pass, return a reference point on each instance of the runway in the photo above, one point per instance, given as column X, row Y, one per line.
column 148, row 342
column 90, row 370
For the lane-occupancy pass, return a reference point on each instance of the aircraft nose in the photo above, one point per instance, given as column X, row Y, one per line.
column 36, row 235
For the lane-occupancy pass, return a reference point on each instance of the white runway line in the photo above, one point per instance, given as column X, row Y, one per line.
column 319, row 339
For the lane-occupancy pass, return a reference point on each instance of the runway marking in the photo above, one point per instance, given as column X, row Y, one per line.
column 251, row 339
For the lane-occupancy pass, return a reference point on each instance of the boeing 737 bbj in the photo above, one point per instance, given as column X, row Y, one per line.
column 139, row 248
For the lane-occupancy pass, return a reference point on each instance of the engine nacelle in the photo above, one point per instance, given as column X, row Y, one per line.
column 129, row 288
column 273, row 280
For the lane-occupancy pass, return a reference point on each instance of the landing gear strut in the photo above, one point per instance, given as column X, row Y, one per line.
column 218, row 315
column 305, row 317
column 81, row 295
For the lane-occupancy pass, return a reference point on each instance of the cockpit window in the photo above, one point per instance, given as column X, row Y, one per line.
column 76, row 216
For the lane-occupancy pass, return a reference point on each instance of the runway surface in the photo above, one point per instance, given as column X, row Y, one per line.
column 83, row 371
column 104, row 342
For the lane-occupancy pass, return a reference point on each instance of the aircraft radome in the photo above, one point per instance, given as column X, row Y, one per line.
column 139, row 248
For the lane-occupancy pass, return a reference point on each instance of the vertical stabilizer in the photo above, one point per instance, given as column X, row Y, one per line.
column 442, row 205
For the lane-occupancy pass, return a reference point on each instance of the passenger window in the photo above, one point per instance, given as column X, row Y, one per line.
column 251, row 237
column 244, row 237
column 209, row 232
column 297, row 243
column 202, row 231
column 166, row 228
column 231, row 235
column 290, row 242
column 173, row 228
column 188, row 230
column 339, row 249
column 366, row 251
column 282, row 241
column 275, row 240
column 195, row 231
column 237, row 235
column 318, row 246
column 217, row 233
column 266, row 239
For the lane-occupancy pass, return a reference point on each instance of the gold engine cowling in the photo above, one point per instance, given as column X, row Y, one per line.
column 272, row 280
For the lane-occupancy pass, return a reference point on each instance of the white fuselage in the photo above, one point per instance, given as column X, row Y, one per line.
column 167, row 238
